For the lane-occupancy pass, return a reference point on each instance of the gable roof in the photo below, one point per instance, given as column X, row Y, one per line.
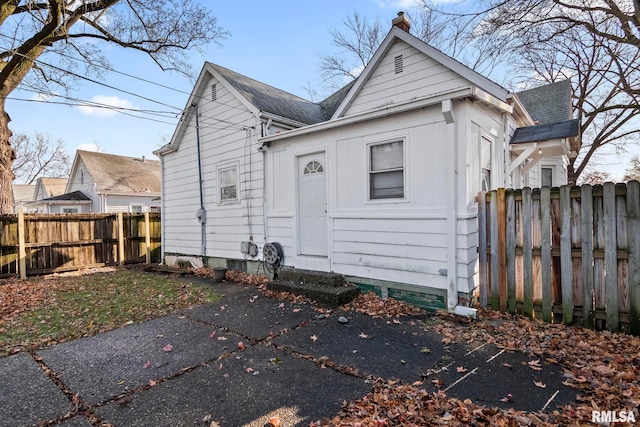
column 396, row 33
column 53, row 186
column 120, row 174
column 550, row 103
column 269, row 99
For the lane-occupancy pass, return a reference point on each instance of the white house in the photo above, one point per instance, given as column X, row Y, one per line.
column 377, row 182
column 102, row 182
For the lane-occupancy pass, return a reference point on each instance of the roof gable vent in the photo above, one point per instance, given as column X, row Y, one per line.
column 399, row 64
column 214, row 91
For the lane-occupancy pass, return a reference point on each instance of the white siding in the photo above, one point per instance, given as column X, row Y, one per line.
column 117, row 203
column 80, row 180
column 421, row 76
column 223, row 141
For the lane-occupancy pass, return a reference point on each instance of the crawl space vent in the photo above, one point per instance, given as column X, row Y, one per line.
column 399, row 64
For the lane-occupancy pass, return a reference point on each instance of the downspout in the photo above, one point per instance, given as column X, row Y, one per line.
column 162, row 210
column 452, row 216
column 202, row 213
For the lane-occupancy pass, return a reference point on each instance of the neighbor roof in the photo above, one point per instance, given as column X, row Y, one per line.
column 22, row 192
column 53, row 186
column 73, row 196
column 550, row 103
column 545, row 132
column 121, row 174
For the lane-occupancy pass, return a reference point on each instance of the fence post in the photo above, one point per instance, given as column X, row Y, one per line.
column 495, row 269
column 22, row 250
column 510, row 253
column 120, row 239
column 633, row 232
column 147, row 237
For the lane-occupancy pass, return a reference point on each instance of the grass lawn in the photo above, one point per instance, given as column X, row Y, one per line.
column 42, row 311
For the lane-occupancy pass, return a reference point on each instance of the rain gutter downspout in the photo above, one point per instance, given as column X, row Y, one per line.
column 201, row 214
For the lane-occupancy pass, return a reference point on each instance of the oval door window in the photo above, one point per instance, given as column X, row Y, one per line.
column 313, row 167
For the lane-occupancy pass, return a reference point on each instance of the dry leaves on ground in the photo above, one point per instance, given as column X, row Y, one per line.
column 375, row 306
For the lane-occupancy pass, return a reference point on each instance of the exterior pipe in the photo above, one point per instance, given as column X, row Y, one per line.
column 202, row 214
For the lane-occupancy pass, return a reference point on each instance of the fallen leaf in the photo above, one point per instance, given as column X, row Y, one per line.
column 167, row 348
column 222, row 338
column 295, row 310
column 437, row 382
column 147, row 365
column 507, row 398
column 506, row 364
column 281, row 305
column 215, row 424
column 274, row 422
column 249, row 370
column 540, row 384
column 535, row 365
column 461, row 369
column 314, row 338
column 425, row 350
column 253, row 298
column 207, row 418
column 240, row 345
column 363, row 335
column 212, row 334
column 152, row 382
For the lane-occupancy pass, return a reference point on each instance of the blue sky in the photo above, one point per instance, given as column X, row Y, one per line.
column 277, row 42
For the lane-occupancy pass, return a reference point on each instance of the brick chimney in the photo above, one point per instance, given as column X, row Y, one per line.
column 402, row 22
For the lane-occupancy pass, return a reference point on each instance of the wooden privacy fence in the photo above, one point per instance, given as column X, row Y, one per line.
column 569, row 254
column 44, row 243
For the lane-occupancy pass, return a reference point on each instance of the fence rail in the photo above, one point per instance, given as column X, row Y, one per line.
column 569, row 254
column 44, row 243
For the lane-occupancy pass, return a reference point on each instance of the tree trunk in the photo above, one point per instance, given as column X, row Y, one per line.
column 7, row 155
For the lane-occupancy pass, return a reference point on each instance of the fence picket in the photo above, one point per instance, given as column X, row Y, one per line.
column 545, row 249
column 566, row 264
column 510, row 256
column 527, row 257
column 482, row 248
column 494, row 267
column 586, row 230
column 610, row 256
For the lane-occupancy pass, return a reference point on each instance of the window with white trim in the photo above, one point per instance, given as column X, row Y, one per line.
column 546, row 177
column 485, row 160
column 136, row 208
column 69, row 210
column 386, row 170
column 228, row 184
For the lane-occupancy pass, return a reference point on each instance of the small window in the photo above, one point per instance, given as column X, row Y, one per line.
column 485, row 160
column 313, row 167
column 546, row 177
column 398, row 64
column 214, row 92
column 136, row 209
column 386, row 170
column 228, row 184
column 69, row 210
column 81, row 176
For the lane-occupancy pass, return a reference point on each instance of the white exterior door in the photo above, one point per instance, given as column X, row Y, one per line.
column 312, row 205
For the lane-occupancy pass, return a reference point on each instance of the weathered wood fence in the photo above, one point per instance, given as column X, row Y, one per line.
column 44, row 243
column 568, row 254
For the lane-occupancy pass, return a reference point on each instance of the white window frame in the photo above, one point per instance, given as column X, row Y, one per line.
column 224, row 168
column 403, row 169
column 132, row 205
column 484, row 137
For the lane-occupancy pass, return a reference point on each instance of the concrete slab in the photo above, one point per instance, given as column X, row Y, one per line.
column 27, row 395
column 252, row 314
column 494, row 377
column 375, row 347
column 108, row 364
column 242, row 390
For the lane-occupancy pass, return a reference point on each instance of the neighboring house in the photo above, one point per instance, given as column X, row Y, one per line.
column 377, row 182
column 49, row 187
column 107, row 183
column 22, row 193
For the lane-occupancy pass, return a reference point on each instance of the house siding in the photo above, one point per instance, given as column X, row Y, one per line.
column 86, row 184
column 421, row 76
column 227, row 137
column 118, row 203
